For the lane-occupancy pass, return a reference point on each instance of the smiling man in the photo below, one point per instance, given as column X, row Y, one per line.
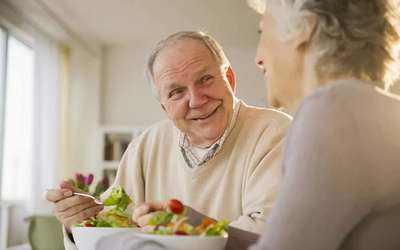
column 216, row 154
column 195, row 89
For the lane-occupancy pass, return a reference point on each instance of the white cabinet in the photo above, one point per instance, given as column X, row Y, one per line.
column 114, row 142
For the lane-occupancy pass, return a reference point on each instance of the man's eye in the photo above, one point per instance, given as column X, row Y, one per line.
column 259, row 31
column 176, row 93
column 206, row 78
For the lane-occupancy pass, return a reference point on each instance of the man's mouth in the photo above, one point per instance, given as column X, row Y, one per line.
column 207, row 115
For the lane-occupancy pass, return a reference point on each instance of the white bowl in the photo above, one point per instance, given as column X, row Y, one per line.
column 86, row 238
column 184, row 242
column 96, row 238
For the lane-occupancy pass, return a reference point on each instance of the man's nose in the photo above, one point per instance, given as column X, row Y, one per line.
column 197, row 98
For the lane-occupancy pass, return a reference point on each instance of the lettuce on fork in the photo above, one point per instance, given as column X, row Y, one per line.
column 116, row 215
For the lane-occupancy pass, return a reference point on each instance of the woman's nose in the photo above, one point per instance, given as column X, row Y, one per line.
column 259, row 62
column 258, row 58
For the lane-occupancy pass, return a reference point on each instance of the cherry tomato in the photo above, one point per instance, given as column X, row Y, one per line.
column 87, row 224
column 175, row 206
column 180, row 233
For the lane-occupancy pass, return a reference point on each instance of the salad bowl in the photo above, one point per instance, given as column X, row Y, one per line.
column 169, row 229
column 185, row 242
column 95, row 238
column 109, row 222
column 87, row 238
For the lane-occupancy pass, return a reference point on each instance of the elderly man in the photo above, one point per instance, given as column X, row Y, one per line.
column 216, row 154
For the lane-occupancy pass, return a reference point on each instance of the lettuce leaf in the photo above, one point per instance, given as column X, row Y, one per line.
column 161, row 218
column 217, row 229
column 118, row 198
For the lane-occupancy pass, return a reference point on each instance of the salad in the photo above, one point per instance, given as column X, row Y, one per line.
column 175, row 222
column 116, row 216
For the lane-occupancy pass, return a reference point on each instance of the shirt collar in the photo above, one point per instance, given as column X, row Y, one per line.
column 187, row 149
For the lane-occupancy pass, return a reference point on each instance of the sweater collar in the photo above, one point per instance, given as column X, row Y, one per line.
column 192, row 159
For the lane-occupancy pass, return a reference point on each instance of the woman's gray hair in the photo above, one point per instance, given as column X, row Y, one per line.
column 211, row 44
column 355, row 38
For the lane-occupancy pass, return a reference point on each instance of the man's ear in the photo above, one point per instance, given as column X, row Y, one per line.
column 304, row 37
column 230, row 75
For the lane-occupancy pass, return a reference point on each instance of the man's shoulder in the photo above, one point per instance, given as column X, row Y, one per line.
column 161, row 126
column 258, row 122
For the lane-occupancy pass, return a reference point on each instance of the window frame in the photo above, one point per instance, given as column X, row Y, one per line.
column 9, row 30
column 3, row 91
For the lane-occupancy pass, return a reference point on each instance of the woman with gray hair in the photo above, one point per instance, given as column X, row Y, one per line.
column 332, row 62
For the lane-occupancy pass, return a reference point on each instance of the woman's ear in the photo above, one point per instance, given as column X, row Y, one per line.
column 304, row 37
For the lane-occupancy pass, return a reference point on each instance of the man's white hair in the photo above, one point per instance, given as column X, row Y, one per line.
column 357, row 38
column 208, row 41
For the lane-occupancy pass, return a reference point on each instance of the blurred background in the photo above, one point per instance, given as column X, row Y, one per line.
column 73, row 92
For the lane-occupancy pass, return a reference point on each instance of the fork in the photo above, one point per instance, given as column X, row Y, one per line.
column 89, row 196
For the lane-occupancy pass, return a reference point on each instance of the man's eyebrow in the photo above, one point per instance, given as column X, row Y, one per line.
column 169, row 86
column 202, row 71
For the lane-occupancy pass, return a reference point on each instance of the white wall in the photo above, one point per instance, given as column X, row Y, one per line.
column 83, row 113
column 250, row 85
column 126, row 96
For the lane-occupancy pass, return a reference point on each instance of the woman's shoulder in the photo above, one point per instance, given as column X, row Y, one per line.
column 349, row 113
column 351, row 89
column 352, row 127
column 352, row 95
column 329, row 130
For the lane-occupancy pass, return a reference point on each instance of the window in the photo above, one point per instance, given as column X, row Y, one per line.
column 17, row 119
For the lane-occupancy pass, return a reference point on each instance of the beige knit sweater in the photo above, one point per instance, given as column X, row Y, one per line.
column 239, row 183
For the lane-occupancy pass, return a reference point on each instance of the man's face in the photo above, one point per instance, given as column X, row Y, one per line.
column 194, row 91
column 282, row 65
